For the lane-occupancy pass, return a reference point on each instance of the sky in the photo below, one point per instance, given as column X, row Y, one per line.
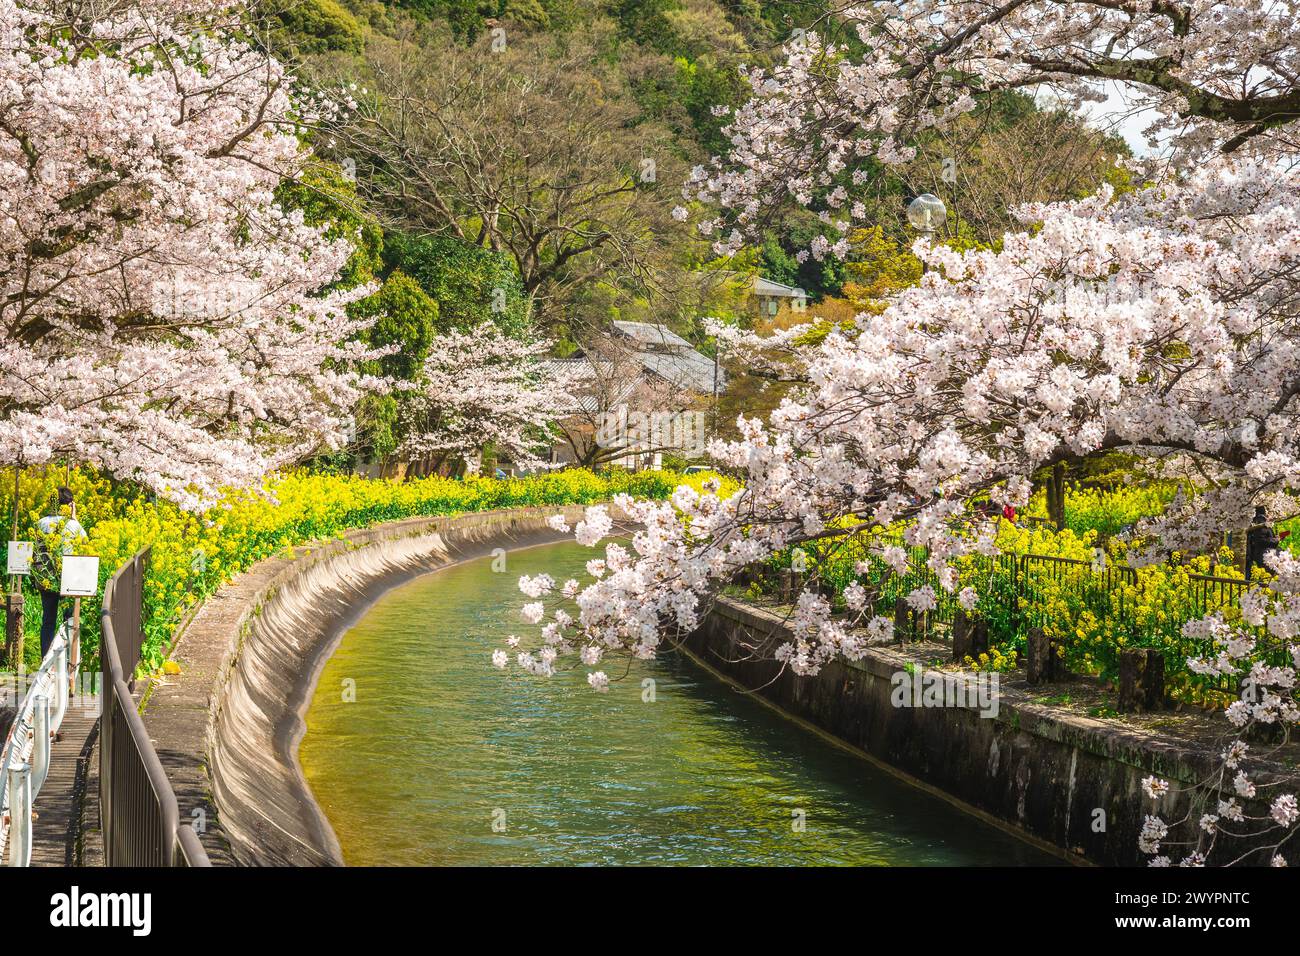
column 1120, row 115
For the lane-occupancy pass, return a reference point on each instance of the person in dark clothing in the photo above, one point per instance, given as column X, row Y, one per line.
column 1260, row 539
column 58, row 534
column 49, row 619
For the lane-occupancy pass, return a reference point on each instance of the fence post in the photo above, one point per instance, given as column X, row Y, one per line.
column 20, row 813
column 62, row 691
column 1040, row 663
column 14, row 627
column 40, row 740
column 1017, row 586
column 970, row 638
column 902, row 620
column 960, row 636
column 1141, row 680
column 108, row 696
column 979, row 638
column 74, row 643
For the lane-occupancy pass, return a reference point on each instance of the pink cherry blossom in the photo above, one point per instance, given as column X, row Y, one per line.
column 480, row 388
column 1161, row 321
column 164, row 317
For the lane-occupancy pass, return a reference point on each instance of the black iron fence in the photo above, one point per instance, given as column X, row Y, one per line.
column 1096, row 586
column 138, row 809
column 1109, row 606
column 1208, row 592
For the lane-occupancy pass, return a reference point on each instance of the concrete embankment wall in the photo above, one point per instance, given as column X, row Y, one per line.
column 228, row 726
column 1066, row 781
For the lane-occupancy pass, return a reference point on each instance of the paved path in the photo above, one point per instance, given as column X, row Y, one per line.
column 63, row 834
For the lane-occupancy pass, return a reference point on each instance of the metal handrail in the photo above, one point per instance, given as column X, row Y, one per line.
column 1217, row 579
column 139, row 813
column 25, row 763
column 1119, row 570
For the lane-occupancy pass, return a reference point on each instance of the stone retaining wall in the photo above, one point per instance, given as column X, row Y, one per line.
column 227, row 727
column 1064, row 780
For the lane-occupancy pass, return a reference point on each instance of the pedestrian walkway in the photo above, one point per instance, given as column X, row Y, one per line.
column 63, row 833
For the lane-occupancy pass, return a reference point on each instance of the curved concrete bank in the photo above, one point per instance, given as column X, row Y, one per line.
column 1064, row 780
column 228, row 726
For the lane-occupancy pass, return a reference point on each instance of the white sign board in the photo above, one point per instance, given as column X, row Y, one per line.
column 20, row 557
column 80, row 576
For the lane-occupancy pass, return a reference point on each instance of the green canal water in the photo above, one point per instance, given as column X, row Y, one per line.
column 443, row 759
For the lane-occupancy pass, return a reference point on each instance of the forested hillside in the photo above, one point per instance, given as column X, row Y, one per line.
column 522, row 162
column 659, row 77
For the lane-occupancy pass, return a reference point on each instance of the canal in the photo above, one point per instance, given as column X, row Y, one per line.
column 422, row 753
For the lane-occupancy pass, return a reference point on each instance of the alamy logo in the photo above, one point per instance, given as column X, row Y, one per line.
column 934, row 688
column 652, row 431
column 74, row 908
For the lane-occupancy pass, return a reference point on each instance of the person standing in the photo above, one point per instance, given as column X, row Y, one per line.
column 57, row 535
column 1260, row 540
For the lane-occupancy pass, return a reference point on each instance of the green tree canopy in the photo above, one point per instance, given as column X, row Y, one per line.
column 306, row 27
column 328, row 197
column 470, row 284
column 405, row 316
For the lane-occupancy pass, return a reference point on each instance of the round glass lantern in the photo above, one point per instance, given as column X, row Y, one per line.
column 926, row 212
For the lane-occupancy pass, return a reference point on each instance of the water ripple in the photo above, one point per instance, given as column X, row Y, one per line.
column 439, row 746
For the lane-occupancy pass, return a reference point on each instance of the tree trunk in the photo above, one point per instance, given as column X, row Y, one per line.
column 1056, row 496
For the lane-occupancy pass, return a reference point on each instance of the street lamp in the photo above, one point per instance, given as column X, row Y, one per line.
column 925, row 213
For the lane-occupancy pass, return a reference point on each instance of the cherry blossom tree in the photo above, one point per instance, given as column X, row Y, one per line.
column 1161, row 321
column 163, row 317
column 481, row 388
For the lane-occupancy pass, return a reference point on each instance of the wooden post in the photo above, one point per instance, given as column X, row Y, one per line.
column 1141, row 680
column 903, row 620
column 788, row 585
column 970, row 638
column 74, row 647
column 979, row 638
column 961, row 627
column 14, row 599
column 14, row 629
column 835, row 598
column 1039, row 658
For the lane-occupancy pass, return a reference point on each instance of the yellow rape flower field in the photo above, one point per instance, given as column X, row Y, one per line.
column 1076, row 584
column 195, row 554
